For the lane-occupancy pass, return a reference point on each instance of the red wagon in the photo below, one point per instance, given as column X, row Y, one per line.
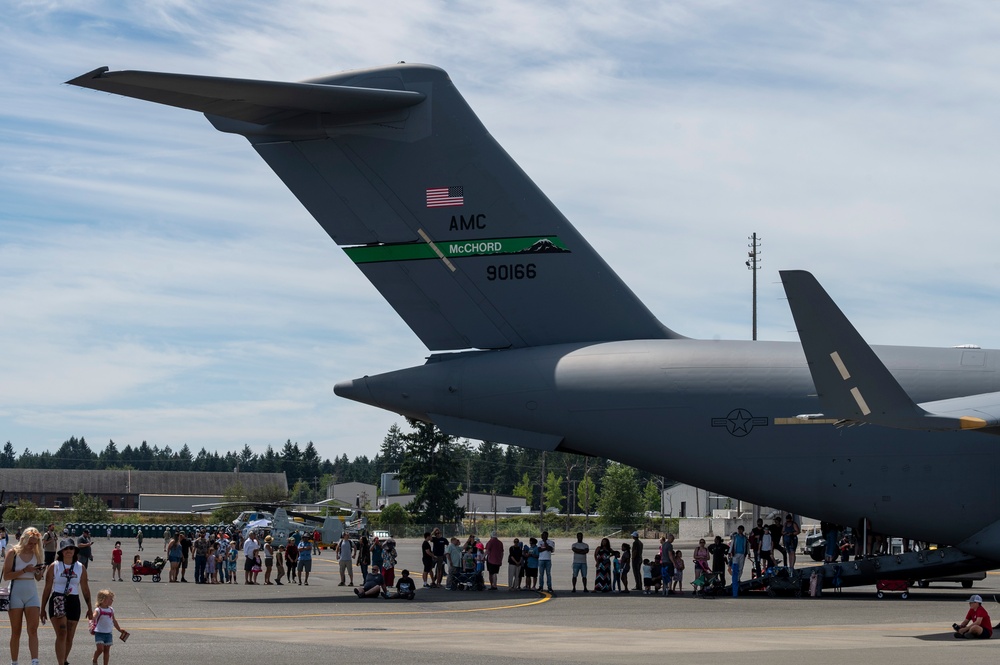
column 153, row 568
column 902, row 587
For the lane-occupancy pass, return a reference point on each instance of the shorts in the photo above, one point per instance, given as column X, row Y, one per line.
column 345, row 567
column 580, row 568
column 174, row 559
column 103, row 638
column 305, row 565
column 24, row 593
column 493, row 568
column 72, row 606
column 531, row 573
column 428, row 564
column 248, row 565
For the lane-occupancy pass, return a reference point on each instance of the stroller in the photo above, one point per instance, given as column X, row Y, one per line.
column 709, row 584
column 470, row 580
column 154, row 568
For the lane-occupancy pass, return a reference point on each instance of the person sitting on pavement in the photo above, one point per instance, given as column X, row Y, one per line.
column 406, row 588
column 373, row 586
column 977, row 623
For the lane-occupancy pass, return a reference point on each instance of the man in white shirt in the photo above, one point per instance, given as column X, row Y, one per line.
column 545, row 549
column 250, row 548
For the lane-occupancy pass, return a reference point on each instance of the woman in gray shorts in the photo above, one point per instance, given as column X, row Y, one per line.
column 23, row 567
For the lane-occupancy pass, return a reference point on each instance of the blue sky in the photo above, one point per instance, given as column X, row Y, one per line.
column 159, row 283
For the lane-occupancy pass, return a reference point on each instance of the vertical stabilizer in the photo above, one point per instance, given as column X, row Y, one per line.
column 399, row 171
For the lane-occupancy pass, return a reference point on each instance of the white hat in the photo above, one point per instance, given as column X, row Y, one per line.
column 635, row 534
column 976, row 599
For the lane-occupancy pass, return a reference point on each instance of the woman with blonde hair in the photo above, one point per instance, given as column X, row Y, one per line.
column 23, row 567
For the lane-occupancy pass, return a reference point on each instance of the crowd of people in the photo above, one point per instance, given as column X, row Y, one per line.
column 61, row 563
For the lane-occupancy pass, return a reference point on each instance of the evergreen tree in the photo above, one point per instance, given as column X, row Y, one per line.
column 430, row 468
column 8, row 459
column 392, row 450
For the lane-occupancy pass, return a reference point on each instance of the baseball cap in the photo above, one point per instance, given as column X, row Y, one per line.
column 976, row 599
column 635, row 534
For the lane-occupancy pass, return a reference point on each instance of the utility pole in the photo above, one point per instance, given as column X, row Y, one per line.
column 541, row 497
column 753, row 265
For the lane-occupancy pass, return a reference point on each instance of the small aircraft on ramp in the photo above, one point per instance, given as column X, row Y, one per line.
column 280, row 521
column 538, row 343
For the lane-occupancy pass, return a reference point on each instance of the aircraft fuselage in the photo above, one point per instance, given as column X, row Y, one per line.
column 722, row 415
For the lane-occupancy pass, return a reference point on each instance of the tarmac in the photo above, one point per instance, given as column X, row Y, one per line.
column 324, row 622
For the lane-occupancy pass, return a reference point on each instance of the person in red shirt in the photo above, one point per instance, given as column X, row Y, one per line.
column 494, row 558
column 116, row 561
column 977, row 623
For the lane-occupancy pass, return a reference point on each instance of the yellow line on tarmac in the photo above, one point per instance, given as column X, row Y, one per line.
column 544, row 599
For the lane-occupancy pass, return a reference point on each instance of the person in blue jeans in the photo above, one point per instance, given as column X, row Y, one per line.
column 545, row 549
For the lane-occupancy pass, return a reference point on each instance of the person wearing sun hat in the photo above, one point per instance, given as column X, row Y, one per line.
column 977, row 623
column 66, row 585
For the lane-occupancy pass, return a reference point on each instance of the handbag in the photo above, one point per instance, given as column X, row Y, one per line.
column 58, row 605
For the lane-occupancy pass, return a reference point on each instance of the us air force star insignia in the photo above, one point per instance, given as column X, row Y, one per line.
column 739, row 422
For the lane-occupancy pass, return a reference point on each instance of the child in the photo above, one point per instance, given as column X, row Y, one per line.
column 406, row 588
column 647, row 577
column 104, row 621
column 616, row 573
column 256, row 567
column 210, row 566
column 678, row 572
column 279, row 562
column 231, row 564
column 666, row 568
column 116, row 561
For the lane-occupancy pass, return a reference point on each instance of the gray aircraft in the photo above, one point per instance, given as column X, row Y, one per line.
column 536, row 342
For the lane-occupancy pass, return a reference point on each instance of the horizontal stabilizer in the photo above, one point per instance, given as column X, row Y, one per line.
column 471, row 429
column 852, row 382
column 246, row 100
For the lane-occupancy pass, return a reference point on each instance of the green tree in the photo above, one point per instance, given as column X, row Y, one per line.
column 8, row 459
column 651, row 497
column 303, row 493
column 431, row 467
column 586, row 495
column 553, row 491
column 393, row 515
column 525, row 490
column 620, row 501
column 391, row 452
column 26, row 512
column 87, row 508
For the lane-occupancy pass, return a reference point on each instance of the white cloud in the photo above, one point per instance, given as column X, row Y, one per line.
column 159, row 282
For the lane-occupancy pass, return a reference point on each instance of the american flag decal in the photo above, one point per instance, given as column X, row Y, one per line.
column 445, row 197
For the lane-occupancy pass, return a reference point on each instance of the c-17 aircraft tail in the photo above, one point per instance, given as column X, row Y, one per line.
column 398, row 170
